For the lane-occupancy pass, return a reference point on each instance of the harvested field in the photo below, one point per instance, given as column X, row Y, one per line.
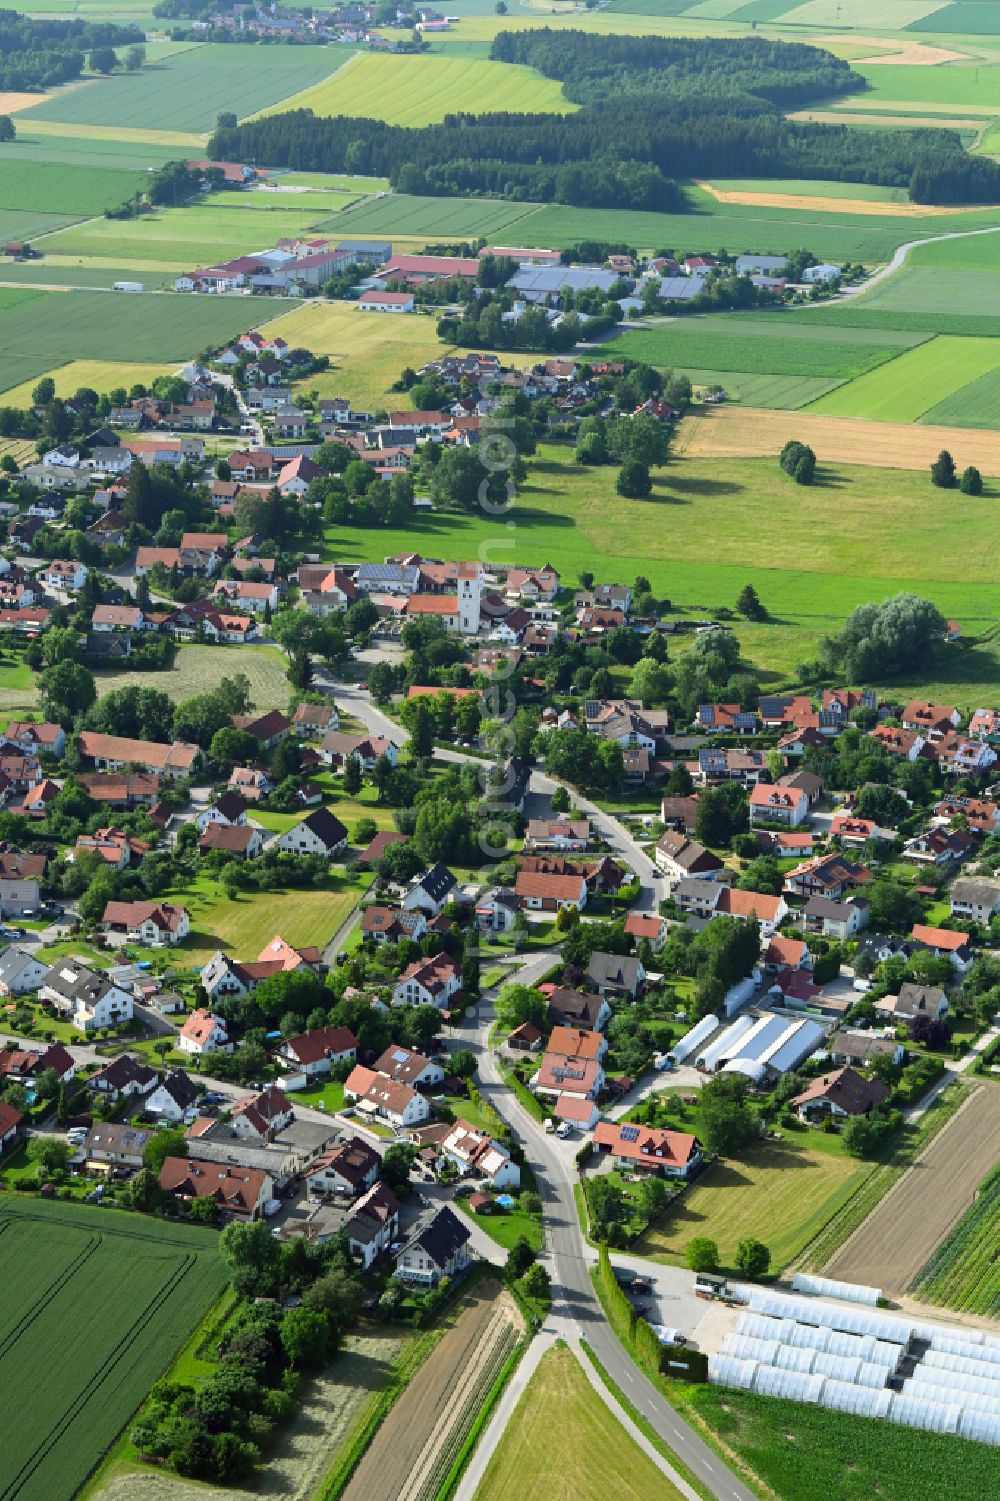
column 11, row 101
column 920, row 54
column 753, row 432
column 843, row 117
column 410, row 1454
column 831, row 205
column 896, row 1241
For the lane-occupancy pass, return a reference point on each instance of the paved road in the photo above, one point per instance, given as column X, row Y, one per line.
column 576, row 1311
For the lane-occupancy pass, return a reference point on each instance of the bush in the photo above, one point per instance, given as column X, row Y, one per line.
column 633, row 480
column 702, row 1254
column 798, row 460
column 943, row 471
column 971, row 482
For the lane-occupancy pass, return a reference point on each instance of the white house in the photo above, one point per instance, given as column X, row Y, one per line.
column 477, row 1153
column 64, row 574
column 377, row 1094
column 440, row 1248
column 204, row 1033
column 428, row 982
column 374, row 1225
column 85, row 996
column 259, row 1117
column 173, row 1097
column 319, row 833
column 152, row 923
column 20, row 972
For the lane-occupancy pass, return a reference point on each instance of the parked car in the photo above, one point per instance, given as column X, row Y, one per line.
column 668, row 1336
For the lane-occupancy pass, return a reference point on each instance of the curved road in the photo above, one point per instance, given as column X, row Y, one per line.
column 576, row 1309
column 575, row 1305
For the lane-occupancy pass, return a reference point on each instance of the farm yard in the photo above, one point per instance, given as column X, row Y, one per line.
column 562, row 1441
column 421, row 90
column 897, row 1240
column 964, row 1271
column 189, row 88
column 782, row 1194
column 417, row 1441
column 97, row 1305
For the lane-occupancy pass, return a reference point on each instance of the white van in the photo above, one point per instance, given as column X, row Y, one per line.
column 548, row 1124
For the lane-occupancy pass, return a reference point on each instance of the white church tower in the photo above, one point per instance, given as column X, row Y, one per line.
column 470, row 587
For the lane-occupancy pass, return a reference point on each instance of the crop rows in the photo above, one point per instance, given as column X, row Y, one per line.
column 471, row 1396
column 964, row 1271
column 698, row 348
column 97, row 1309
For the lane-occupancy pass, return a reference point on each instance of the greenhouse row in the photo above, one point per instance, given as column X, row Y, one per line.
column 910, row 1408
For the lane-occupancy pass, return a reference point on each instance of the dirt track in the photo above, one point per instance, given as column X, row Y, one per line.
column 728, row 432
column 898, row 1237
column 403, row 1449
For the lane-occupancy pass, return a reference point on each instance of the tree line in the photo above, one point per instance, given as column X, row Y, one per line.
column 38, row 54
column 706, row 105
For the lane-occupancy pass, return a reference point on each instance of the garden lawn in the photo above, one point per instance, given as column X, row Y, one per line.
column 200, row 669
column 781, row 1193
column 242, row 927
column 98, row 1304
column 562, row 1441
column 190, row 88
column 506, row 1226
column 18, row 684
column 406, row 90
column 326, row 1095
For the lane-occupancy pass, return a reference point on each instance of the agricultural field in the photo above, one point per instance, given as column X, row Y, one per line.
column 965, row 85
column 242, row 927
column 907, row 387
column 64, row 188
column 116, row 1296
column 417, row 1441
column 784, row 392
column 781, row 347
column 74, row 150
column 795, row 1448
column 420, row 90
column 897, row 1240
column 198, row 234
column 434, row 218
column 562, row 1440
column 367, row 352
column 782, row 1194
column 55, row 327
column 964, row 1272
column 730, row 432
column 99, row 375
column 190, row 88
column 200, row 669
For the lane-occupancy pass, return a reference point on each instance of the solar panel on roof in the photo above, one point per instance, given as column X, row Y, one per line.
column 630, row 1133
column 400, row 1055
